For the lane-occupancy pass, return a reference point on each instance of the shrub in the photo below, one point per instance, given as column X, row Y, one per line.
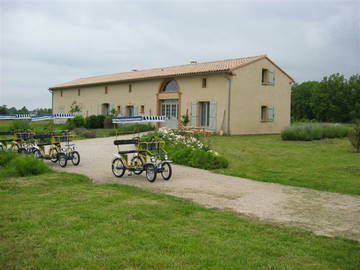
column 79, row 130
column 313, row 131
column 77, row 121
column 88, row 134
column 95, row 121
column 189, row 150
column 21, row 124
column 21, row 165
column 354, row 136
column 134, row 128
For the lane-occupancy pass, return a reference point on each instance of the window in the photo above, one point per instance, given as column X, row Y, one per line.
column 142, row 109
column 267, row 113
column 118, row 110
column 170, row 86
column 267, row 77
column 129, row 111
column 130, row 88
column 204, row 113
column 61, row 93
column 106, row 90
column 79, row 92
column 204, row 83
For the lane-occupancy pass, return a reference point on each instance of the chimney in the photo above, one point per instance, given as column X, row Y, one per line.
column 134, row 70
column 193, row 62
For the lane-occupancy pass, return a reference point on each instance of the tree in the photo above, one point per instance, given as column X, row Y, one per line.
column 75, row 108
column 3, row 109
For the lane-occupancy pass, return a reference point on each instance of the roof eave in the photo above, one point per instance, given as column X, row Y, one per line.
column 141, row 79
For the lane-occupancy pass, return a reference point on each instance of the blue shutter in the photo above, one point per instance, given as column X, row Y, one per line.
column 193, row 113
column 213, row 116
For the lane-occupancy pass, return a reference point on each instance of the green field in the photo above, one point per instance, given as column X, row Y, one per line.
column 328, row 164
column 62, row 221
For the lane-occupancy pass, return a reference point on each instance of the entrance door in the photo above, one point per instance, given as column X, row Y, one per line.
column 169, row 108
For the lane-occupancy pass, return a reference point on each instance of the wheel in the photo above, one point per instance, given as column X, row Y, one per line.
column 54, row 155
column 167, row 171
column 150, row 172
column 118, row 167
column 14, row 148
column 62, row 159
column 37, row 154
column 22, row 151
column 75, row 158
column 1, row 147
column 138, row 164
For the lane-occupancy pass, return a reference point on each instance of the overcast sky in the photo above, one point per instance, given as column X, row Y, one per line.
column 44, row 43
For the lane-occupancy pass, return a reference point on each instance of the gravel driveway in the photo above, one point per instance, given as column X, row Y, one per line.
column 323, row 213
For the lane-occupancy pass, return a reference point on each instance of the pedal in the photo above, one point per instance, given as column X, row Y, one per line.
column 129, row 173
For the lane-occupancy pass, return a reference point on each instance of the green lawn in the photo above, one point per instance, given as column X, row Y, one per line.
column 328, row 164
column 62, row 221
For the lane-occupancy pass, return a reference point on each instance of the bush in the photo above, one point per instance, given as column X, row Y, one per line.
column 354, row 136
column 95, row 121
column 21, row 124
column 313, row 131
column 77, row 121
column 189, row 150
column 134, row 128
column 88, row 134
column 21, row 165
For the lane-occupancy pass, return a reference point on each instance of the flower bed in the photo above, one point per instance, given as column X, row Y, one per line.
column 314, row 131
column 189, row 149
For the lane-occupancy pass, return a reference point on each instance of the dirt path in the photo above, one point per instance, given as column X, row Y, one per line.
column 323, row 213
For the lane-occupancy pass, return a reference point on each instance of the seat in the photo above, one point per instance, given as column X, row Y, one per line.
column 122, row 142
column 128, row 152
column 43, row 144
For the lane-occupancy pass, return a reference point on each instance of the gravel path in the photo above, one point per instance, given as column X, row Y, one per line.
column 323, row 213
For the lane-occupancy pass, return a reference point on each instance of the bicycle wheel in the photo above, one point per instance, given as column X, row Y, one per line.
column 54, row 155
column 166, row 171
column 138, row 164
column 62, row 159
column 22, row 151
column 75, row 158
column 14, row 148
column 150, row 172
column 118, row 167
column 1, row 147
column 37, row 154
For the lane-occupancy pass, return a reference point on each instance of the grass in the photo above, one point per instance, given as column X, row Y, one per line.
column 62, row 221
column 328, row 165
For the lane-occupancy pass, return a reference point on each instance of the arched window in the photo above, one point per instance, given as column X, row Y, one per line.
column 170, row 86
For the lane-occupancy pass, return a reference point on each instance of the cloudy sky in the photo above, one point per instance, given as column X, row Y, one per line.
column 47, row 42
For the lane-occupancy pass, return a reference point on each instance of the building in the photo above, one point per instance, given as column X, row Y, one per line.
column 249, row 95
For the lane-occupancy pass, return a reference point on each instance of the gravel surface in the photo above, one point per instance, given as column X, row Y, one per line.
column 323, row 213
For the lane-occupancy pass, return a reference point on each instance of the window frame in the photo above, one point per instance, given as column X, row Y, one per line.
column 166, row 83
column 204, row 82
column 266, row 75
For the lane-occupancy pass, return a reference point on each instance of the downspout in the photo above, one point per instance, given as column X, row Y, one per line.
column 229, row 101
column 52, row 100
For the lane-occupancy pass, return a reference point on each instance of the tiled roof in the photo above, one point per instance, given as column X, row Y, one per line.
column 173, row 71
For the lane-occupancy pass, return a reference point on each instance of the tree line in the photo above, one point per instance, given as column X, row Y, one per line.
column 5, row 110
column 333, row 99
